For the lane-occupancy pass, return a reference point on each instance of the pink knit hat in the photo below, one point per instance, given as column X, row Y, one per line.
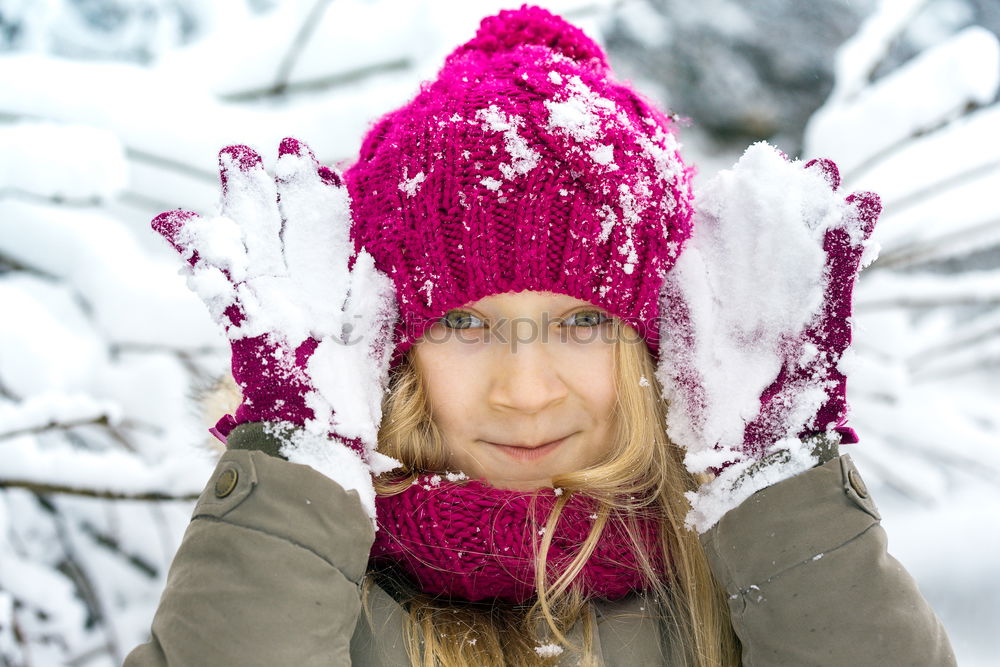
column 523, row 166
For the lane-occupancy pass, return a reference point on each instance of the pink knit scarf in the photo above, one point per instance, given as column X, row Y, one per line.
column 468, row 540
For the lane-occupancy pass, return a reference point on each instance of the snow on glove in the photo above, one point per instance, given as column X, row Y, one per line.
column 309, row 321
column 756, row 322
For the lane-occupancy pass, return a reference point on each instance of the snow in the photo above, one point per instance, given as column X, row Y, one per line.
column 752, row 278
column 859, row 56
column 740, row 480
column 104, row 326
column 105, row 349
column 99, row 257
column 67, row 161
column 43, row 410
column 630, row 215
column 971, row 287
column 548, row 650
column 964, row 533
column 50, row 333
column 604, row 154
column 9, row 649
column 523, row 157
column 144, row 107
column 736, row 208
column 964, row 70
column 917, row 167
column 643, row 22
column 609, row 218
column 580, row 113
column 284, row 266
column 411, row 185
column 340, row 463
column 923, row 387
column 113, row 472
column 340, row 45
column 491, row 183
column 42, row 590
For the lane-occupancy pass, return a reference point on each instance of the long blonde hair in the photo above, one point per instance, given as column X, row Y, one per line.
column 642, row 473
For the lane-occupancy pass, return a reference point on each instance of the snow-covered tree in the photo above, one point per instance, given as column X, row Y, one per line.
column 923, row 132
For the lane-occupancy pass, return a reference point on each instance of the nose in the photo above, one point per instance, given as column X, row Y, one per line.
column 526, row 378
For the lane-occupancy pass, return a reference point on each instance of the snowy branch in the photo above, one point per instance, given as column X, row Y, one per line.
column 891, row 290
column 49, row 411
column 79, row 202
column 170, row 163
column 10, row 264
column 85, row 587
column 103, row 420
column 307, row 27
column 42, row 488
column 956, row 244
column 338, row 80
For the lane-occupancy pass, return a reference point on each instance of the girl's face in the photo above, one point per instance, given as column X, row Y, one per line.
column 521, row 386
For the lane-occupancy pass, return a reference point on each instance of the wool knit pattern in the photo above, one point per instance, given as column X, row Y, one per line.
column 522, row 166
column 473, row 542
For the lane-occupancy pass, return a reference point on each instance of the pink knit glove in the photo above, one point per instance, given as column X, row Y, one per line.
column 309, row 321
column 756, row 323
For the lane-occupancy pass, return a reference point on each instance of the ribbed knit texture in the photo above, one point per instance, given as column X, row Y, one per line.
column 522, row 166
column 473, row 542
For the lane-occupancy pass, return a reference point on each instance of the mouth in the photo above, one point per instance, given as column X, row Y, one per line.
column 529, row 452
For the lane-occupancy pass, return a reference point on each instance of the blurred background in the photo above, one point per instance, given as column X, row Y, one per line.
column 114, row 110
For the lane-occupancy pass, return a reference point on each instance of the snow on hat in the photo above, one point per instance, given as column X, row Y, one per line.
column 522, row 166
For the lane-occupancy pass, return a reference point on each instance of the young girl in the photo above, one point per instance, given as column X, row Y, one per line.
column 456, row 361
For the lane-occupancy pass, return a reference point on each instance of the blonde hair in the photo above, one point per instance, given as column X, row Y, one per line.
column 642, row 474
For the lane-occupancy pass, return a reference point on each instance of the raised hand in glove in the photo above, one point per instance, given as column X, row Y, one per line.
column 756, row 321
column 309, row 321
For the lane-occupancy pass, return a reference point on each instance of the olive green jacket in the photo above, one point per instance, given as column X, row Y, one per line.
column 269, row 573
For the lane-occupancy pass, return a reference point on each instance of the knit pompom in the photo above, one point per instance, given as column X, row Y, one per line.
column 533, row 26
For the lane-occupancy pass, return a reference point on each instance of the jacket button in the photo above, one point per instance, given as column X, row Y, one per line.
column 857, row 483
column 226, row 482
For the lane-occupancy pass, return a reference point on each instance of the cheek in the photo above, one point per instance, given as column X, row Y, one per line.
column 453, row 380
column 588, row 367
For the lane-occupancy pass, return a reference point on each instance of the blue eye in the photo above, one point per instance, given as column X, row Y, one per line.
column 587, row 318
column 460, row 319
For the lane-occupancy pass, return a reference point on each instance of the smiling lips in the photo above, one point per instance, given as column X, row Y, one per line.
column 527, row 453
